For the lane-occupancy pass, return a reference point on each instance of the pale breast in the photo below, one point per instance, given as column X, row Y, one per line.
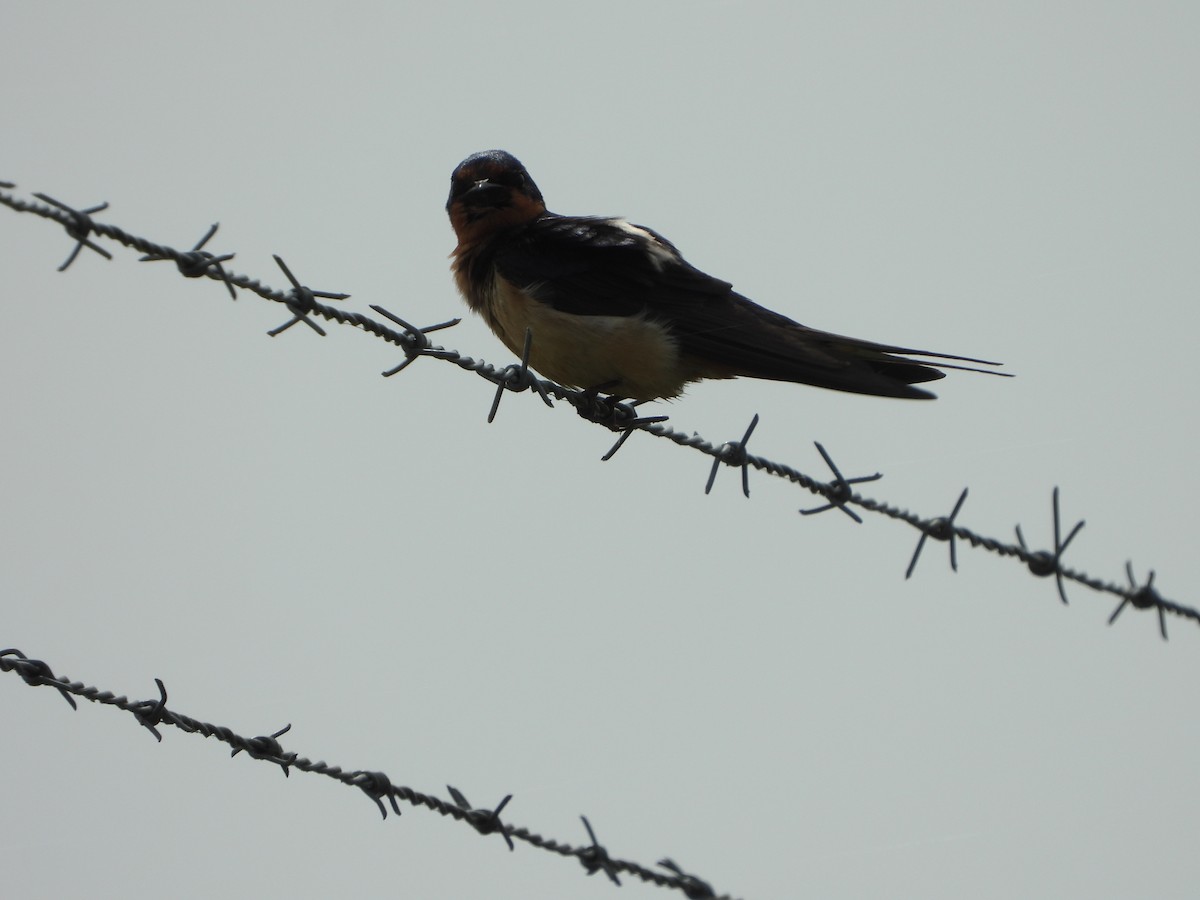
column 589, row 351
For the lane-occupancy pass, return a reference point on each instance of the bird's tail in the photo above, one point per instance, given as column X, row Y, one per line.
column 748, row 339
column 858, row 366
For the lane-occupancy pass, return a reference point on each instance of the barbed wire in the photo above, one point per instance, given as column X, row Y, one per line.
column 152, row 714
column 838, row 493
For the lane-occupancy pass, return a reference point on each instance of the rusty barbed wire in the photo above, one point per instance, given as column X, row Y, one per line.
column 303, row 304
column 151, row 714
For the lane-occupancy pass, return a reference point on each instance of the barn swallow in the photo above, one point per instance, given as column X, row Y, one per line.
column 614, row 306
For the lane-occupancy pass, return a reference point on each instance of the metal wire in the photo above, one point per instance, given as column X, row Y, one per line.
column 154, row 714
column 304, row 305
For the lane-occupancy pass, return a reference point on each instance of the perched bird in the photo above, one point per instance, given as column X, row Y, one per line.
column 614, row 307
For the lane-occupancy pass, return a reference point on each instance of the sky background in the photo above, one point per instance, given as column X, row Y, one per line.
column 282, row 535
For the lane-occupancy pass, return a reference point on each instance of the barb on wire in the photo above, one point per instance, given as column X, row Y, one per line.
column 595, row 858
column 267, row 747
column 1144, row 597
column 485, row 821
column 734, row 454
column 374, row 784
column 518, row 378
column 1043, row 563
column 377, row 785
column 416, row 339
column 940, row 529
column 692, row 886
column 633, row 425
column 33, row 671
column 197, row 262
column 839, row 489
column 149, row 712
column 301, row 302
column 78, row 224
column 611, row 412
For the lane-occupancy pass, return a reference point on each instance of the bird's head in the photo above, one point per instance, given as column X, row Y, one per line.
column 491, row 190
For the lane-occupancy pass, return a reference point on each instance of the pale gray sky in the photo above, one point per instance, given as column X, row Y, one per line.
column 283, row 536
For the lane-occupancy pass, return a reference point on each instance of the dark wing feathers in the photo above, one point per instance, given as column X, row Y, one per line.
column 593, row 267
column 586, row 267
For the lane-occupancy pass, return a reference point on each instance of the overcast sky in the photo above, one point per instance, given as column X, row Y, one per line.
column 283, row 536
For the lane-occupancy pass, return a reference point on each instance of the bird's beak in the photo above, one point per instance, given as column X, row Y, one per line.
column 486, row 193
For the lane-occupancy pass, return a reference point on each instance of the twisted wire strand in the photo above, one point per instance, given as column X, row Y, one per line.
column 303, row 302
column 151, row 714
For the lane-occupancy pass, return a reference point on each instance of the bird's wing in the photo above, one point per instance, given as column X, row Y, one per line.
column 606, row 267
column 598, row 267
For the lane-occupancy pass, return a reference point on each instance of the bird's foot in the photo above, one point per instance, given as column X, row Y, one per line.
column 609, row 410
column 613, row 411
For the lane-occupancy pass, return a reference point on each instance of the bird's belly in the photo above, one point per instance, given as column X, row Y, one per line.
column 639, row 355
